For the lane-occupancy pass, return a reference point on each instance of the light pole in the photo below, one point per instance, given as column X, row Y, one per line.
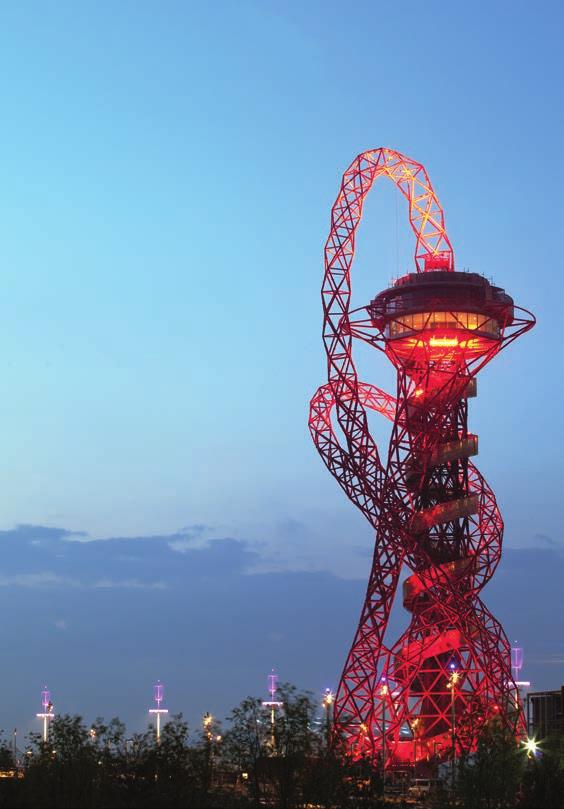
column 384, row 690
column 207, row 723
column 414, row 726
column 328, row 699
column 452, row 681
column 158, row 695
column 273, row 704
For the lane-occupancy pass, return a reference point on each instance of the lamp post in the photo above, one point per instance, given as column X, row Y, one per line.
column 414, row 726
column 158, row 692
column 453, row 678
column 207, row 724
column 273, row 705
column 384, row 693
column 328, row 699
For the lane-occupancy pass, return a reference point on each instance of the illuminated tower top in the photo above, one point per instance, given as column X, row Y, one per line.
column 451, row 318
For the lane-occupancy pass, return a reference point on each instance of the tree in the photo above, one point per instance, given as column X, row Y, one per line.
column 246, row 743
column 490, row 778
column 297, row 743
column 543, row 779
column 276, row 767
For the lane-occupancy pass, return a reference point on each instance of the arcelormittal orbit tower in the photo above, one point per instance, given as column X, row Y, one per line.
column 430, row 692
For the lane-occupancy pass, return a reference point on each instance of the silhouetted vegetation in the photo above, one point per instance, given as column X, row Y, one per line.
column 255, row 762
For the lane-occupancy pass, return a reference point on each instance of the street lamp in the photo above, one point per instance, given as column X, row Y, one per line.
column 384, row 690
column 207, row 720
column 274, row 706
column 414, row 725
column 158, row 692
column 47, row 713
column 207, row 723
column 453, row 678
column 328, row 699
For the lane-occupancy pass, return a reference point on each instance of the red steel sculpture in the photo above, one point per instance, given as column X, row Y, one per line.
column 449, row 674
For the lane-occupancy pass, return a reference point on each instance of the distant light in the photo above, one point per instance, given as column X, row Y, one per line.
column 531, row 747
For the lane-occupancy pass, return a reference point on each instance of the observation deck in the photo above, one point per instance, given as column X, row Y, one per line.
column 441, row 315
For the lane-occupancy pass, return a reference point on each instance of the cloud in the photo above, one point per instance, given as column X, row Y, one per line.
column 196, row 529
column 45, row 579
column 108, row 584
column 546, row 540
column 49, row 579
column 40, row 556
column 181, row 545
column 37, row 534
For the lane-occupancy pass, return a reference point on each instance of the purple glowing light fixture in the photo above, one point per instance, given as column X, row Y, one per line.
column 272, row 683
column 158, row 693
column 517, row 658
column 158, row 696
column 272, row 680
column 47, row 713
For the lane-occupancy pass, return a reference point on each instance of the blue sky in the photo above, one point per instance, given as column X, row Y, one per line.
column 167, row 174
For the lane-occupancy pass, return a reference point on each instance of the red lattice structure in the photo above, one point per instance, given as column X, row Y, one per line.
column 429, row 693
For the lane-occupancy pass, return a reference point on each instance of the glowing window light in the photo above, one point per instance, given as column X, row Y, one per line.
column 419, row 321
column 443, row 342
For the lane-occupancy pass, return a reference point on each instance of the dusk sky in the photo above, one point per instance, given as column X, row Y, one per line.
column 167, row 174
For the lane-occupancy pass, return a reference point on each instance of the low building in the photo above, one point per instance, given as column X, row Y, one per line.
column 545, row 713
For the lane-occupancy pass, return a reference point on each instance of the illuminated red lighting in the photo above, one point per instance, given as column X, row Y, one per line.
column 431, row 508
column 443, row 342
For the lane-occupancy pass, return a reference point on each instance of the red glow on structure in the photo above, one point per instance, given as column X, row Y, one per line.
column 443, row 342
column 449, row 673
